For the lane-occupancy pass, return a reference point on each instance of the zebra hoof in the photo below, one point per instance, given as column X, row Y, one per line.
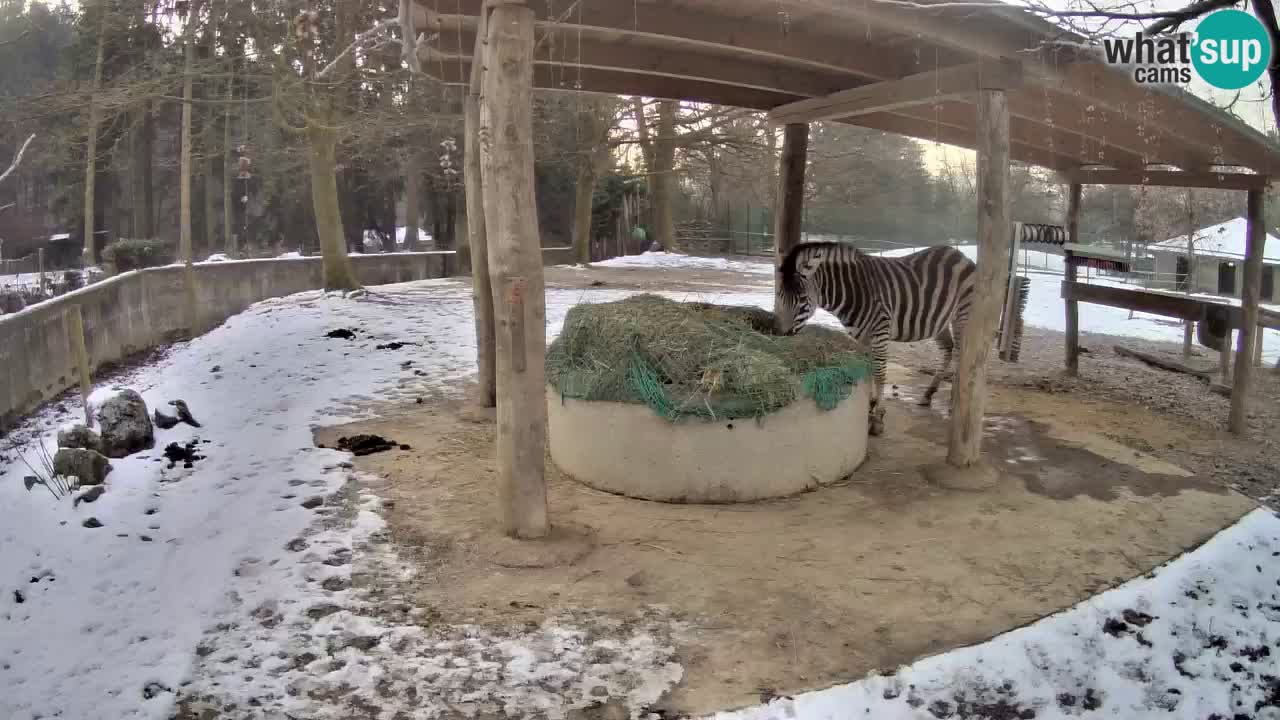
column 875, row 426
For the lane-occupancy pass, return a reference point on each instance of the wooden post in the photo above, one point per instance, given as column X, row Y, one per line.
column 40, row 268
column 788, row 212
column 1249, row 295
column 1224, row 359
column 1257, row 346
column 481, row 290
column 968, row 390
column 1190, row 279
column 515, row 269
column 789, row 205
column 1073, row 308
column 79, row 351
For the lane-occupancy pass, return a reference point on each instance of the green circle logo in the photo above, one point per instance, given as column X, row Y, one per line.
column 1232, row 49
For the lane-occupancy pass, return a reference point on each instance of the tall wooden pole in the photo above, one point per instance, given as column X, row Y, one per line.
column 968, row 390
column 481, row 290
column 1190, row 260
column 789, row 208
column 1073, row 308
column 788, row 212
column 515, row 268
column 1248, row 331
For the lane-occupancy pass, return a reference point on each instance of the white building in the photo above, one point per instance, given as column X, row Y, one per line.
column 1217, row 263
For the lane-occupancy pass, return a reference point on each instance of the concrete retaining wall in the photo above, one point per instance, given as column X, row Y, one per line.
column 139, row 310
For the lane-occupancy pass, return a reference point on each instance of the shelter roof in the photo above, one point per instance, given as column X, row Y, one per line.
column 1071, row 110
column 1224, row 240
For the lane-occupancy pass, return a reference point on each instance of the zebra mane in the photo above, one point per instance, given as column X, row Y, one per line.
column 788, row 267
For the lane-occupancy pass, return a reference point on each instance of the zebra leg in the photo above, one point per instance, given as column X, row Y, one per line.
column 947, row 344
column 879, row 357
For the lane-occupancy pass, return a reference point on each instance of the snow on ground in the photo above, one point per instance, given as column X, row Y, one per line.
column 109, row 617
column 21, row 280
column 1198, row 640
column 671, row 260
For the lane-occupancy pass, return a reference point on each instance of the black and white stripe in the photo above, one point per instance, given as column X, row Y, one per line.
column 921, row 296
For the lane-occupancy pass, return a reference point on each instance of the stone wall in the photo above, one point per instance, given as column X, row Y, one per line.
column 140, row 310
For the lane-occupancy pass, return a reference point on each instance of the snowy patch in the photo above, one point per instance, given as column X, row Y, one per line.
column 112, row 629
column 1198, row 640
column 671, row 260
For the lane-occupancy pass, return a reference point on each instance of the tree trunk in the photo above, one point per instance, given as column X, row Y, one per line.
column 586, row 184
column 140, row 146
column 184, row 161
column 451, row 217
column 438, row 233
column 412, row 193
column 91, row 150
column 663, row 178
column 323, row 155
column 647, row 153
column 228, row 199
column 210, row 202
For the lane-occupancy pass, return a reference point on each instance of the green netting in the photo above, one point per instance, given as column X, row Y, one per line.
column 696, row 359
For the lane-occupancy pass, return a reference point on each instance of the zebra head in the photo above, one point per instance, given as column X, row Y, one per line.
column 795, row 297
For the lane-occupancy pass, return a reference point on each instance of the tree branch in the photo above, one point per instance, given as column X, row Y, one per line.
column 408, row 39
column 1171, row 20
column 1267, row 14
column 358, row 42
column 17, row 158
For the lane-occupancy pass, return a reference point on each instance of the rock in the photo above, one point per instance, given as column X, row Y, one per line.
column 125, row 425
column 88, row 465
column 184, row 414
column 89, row 495
column 92, row 523
column 11, row 302
column 79, row 436
column 162, row 421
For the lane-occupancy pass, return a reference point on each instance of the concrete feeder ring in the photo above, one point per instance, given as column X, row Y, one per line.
column 628, row 449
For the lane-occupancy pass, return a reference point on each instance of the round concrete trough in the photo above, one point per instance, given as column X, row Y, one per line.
column 629, row 450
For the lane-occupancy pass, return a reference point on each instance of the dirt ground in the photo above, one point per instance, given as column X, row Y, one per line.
column 1098, row 485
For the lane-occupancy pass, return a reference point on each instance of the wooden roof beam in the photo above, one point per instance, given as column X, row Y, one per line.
column 952, row 83
column 1055, row 141
column 1167, row 178
column 682, row 63
column 1020, row 147
column 1175, row 122
column 960, row 29
column 694, row 29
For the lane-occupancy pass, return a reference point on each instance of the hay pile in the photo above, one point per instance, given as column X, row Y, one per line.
column 696, row 359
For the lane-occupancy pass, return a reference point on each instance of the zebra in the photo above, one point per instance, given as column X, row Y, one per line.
column 926, row 294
